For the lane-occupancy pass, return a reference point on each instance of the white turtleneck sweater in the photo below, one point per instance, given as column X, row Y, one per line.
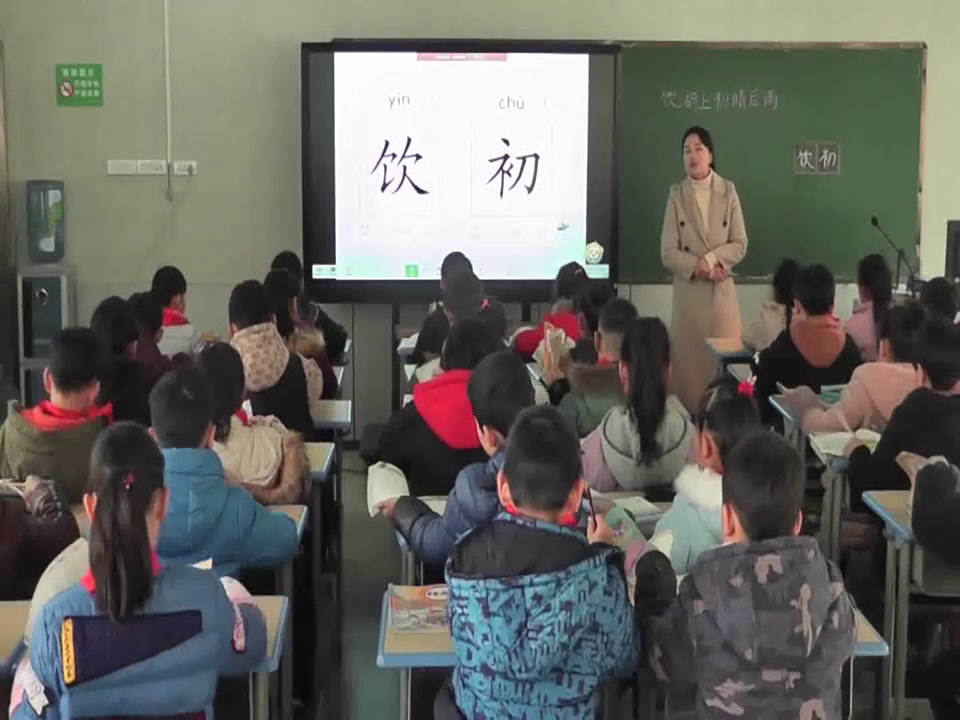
column 702, row 193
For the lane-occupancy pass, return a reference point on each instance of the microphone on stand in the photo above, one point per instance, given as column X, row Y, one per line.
column 901, row 256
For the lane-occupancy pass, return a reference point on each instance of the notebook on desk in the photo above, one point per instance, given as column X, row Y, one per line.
column 833, row 444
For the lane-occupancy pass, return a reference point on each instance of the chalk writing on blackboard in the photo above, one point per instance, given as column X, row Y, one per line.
column 742, row 99
column 816, row 158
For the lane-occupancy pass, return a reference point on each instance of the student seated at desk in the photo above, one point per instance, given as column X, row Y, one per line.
column 570, row 281
column 169, row 289
column 282, row 293
column 134, row 638
column 279, row 382
column 54, row 438
column 939, row 298
column 539, row 614
column 312, row 316
column 875, row 283
column 876, row 389
column 258, row 453
column 814, row 351
column 123, row 383
column 761, row 625
column 36, row 524
column 433, row 438
column 149, row 318
column 645, row 444
column 206, row 517
column 595, row 388
column 692, row 525
column 775, row 315
column 436, row 325
column 927, row 423
column 499, row 389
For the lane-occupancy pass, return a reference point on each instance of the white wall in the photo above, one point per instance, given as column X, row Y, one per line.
column 236, row 109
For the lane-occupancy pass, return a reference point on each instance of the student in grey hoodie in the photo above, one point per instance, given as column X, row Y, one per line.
column 647, row 442
column 761, row 625
column 692, row 525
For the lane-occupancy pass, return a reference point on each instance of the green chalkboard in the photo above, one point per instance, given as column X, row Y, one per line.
column 767, row 108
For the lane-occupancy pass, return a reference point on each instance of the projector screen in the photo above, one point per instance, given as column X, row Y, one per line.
column 412, row 152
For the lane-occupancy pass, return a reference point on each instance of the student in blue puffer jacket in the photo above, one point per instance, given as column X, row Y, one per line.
column 499, row 389
column 208, row 519
column 134, row 638
column 539, row 613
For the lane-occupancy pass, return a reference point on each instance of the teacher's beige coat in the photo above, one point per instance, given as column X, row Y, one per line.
column 701, row 308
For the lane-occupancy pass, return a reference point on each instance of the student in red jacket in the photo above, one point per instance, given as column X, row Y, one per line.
column 435, row 436
column 571, row 279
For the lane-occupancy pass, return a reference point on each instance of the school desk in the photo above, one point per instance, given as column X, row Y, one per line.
column 904, row 563
column 320, row 461
column 740, row 371
column 297, row 513
column 791, row 425
column 409, row 372
column 276, row 614
column 13, row 623
column 335, row 416
column 407, row 345
column 835, row 484
column 728, row 350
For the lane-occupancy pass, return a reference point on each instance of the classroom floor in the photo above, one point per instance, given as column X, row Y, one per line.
column 356, row 689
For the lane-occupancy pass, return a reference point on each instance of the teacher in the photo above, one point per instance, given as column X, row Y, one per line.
column 703, row 239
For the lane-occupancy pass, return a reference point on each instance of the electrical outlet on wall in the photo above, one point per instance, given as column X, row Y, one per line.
column 151, row 167
column 185, row 167
column 121, row 167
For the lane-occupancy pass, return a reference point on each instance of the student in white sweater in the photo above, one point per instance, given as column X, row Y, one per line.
column 169, row 289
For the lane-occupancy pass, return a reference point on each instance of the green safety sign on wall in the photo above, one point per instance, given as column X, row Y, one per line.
column 80, row 85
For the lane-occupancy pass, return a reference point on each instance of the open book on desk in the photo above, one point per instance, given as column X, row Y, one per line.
column 386, row 481
column 417, row 609
column 833, row 444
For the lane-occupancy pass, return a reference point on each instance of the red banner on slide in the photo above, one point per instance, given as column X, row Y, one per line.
column 461, row 56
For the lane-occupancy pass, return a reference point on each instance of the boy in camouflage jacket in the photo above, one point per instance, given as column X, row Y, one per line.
column 762, row 624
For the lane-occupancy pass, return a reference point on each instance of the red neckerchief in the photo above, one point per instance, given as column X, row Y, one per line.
column 566, row 520
column 91, row 585
column 242, row 416
column 47, row 416
column 172, row 318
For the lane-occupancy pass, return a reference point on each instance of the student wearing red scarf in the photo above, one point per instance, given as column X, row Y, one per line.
column 53, row 439
column 169, row 289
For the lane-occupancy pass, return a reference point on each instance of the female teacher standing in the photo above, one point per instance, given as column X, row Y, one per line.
column 703, row 238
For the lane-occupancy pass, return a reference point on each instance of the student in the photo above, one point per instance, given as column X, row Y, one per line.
column 875, row 389
column 283, row 298
column 54, row 438
column 814, row 351
column 206, row 518
column 587, row 305
column 311, row 314
column 571, row 279
column 433, row 438
column 939, row 298
column 727, row 413
column 123, row 382
column 257, row 453
column 36, row 524
column 169, row 289
column 135, row 638
column 775, row 315
column 279, row 382
column 762, row 625
column 539, row 616
column 646, row 443
column 149, row 318
column 499, row 389
column 436, row 325
column 875, row 282
column 927, row 423
column 596, row 388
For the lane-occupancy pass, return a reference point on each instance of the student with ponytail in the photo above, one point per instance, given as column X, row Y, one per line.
column 875, row 282
column 645, row 443
column 134, row 638
column 727, row 413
